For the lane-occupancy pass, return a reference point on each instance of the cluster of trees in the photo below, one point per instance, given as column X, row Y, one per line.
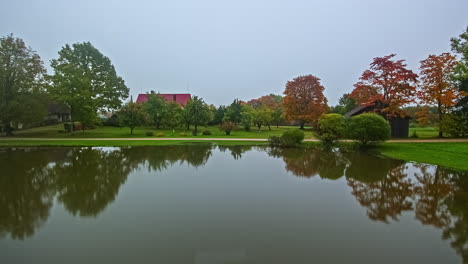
column 158, row 112
column 84, row 79
column 442, row 84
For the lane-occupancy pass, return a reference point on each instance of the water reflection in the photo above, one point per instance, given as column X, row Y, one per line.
column 86, row 180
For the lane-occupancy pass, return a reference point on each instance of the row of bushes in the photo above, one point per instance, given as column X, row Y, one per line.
column 366, row 129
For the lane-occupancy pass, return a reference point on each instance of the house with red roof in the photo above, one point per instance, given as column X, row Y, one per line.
column 180, row 99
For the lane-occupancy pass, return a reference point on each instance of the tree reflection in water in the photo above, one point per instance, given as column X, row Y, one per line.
column 87, row 180
column 387, row 188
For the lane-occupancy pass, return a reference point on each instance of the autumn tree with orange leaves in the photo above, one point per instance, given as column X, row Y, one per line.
column 388, row 84
column 304, row 100
column 437, row 85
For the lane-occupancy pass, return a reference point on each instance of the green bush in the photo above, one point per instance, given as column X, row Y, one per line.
column 368, row 129
column 67, row 127
column 183, row 134
column 160, row 134
column 288, row 139
column 206, row 132
column 331, row 127
column 453, row 125
column 149, row 133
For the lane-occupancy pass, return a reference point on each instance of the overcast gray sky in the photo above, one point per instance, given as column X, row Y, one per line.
column 221, row 50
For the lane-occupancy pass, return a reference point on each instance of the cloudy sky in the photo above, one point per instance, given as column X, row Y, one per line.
column 221, row 50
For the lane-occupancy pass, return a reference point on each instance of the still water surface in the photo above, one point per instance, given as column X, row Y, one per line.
column 206, row 204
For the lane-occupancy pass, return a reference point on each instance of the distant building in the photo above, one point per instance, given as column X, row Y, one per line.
column 399, row 125
column 57, row 113
column 181, row 99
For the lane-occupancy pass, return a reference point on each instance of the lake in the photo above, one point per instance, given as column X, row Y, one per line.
column 212, row 204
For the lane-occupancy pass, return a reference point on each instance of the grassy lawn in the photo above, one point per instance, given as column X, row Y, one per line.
column 56, row 131
column 452, row 155
column 118, row 143
column 424, row 132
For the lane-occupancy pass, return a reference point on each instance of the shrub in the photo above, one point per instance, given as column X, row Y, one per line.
column 206, row 132
column 149, row 133
column 67, row 127
column 414, row 134
column 368, row 129
column 295, row 136
column 331, row 127
column 287, row 139
column 160, row 134
column 183, row 134
column 227, row 127
column 194, row 133
column 453, row 125
column 112, row 121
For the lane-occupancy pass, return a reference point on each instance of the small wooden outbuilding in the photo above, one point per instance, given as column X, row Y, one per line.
column 399, row 125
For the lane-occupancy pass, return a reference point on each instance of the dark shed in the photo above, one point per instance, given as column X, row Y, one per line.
column 399, row 125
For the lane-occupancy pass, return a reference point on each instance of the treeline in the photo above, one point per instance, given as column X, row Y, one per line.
column 86, row 81
column 83, row 79
column 440, row 91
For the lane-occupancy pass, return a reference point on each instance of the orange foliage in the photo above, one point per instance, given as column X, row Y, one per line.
column 388, row 82
column 437, row 88
column 304, row 100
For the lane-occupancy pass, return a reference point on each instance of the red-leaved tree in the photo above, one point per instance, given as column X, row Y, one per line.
column 389, row 83
column 437, row 85
column 304, row 100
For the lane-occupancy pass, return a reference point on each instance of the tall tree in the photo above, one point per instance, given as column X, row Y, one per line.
column 174, row 113
column 132, row 115
column 460, row 46
column 437, row 86
column 197, row 112
column 21, row 83
column 388, row 82
column 233, row 112
column 304, row 100
column 86, row 79
column 273, row 102
column 157, row 109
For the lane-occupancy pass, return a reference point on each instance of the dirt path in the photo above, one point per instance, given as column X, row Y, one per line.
column 219, row 139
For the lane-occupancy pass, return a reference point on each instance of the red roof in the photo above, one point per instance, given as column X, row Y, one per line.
column 181, row 99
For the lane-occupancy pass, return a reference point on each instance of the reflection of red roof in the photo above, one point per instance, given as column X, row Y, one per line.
column 181, row 99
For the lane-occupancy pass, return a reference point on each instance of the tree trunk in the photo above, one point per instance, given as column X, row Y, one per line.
column 131, row 130
column 259, row 126
column 196, row 129
column 439, row 109
column 302, row 125
column 72, row 127
column 269, row 128
column 8, row 128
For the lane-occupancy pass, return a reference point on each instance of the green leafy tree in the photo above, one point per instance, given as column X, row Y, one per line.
column 368, row 128
column 233, row 112
column 460, row 46
column 86, row 81
column 218, row 114
column 345, row 104
column 22, row 84
column 197, row 113
column 157, row 110
column 262, row 116
column 174, row 113
column 331, row 127
column 247, row 117
column 132, row 115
